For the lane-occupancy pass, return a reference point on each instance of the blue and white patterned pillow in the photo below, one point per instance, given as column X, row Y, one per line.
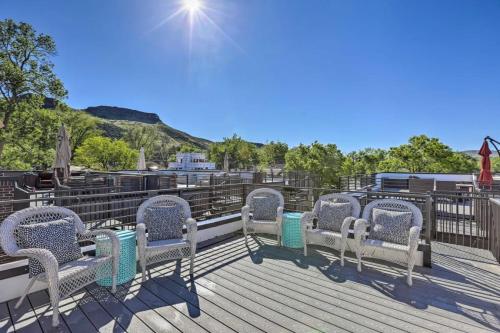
column 59, row 237
column 390, row 226
column 332, row 215
column 164, row 222
column 265, row 208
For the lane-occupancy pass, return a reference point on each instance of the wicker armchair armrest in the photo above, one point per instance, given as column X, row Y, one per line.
column 279, row 215
column 91, row 234
column 115, row 243
column 192, row 229
column 344, row 229
column 140, row 230
column 306, row 220
column 245, row 213
column 44, row 256
column 360, row 230
column 279, row 218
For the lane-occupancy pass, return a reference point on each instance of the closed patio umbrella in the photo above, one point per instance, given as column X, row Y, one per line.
column 141, row 162
column 63, row 153
column 226, row 163
column 485, row 177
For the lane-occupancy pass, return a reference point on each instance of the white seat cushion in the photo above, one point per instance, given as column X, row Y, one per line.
column 323, row 232
column 324, row 237
column 168, row 243
column 385, row 245
column 75, row 267
column 270, row 227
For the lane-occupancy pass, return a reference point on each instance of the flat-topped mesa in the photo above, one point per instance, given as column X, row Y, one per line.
column 118, row 113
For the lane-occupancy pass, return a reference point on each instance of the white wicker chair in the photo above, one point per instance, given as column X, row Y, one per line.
column 365, row 247
column 69, row 277
column 151, row 252
column 266, row 227
column 329, row 238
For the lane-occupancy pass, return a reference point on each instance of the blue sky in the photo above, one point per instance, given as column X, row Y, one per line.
column 356, row 73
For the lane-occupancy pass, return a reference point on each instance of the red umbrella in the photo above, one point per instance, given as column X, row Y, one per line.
column 485, row 177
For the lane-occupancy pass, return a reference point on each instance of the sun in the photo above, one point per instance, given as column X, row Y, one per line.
column 201, row 18
column 192, row 6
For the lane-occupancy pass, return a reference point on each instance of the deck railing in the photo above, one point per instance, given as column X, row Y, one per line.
column 115, row 208
column 494, row 239
column 461, row 218
column 357, row 182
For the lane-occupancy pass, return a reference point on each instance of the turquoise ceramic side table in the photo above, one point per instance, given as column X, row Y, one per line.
column 128, row 263
column 291, row 230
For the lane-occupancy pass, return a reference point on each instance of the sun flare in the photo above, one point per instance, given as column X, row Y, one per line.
column 192, row 6
column 200, row 18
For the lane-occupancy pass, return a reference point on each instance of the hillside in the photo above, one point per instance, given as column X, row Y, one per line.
column 117, row 113
column 471, row 153
column 115, row 121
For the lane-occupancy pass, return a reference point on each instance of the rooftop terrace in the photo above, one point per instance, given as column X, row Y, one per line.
column 261, row 287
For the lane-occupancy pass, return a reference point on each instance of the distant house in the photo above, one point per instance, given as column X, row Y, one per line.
column 191, row 161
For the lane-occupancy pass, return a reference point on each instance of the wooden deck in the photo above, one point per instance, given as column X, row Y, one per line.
column 260, row 287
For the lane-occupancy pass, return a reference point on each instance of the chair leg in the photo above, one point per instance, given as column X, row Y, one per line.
column 113, row 286
column 143, row 270
column 411, row 264
column 409, row 279
column 342, row 251
column 55, row 316
column 114, row 272
column 245, row 233
column 54, row 302
column 191, row 265
column 358, row 255
column 26, row 291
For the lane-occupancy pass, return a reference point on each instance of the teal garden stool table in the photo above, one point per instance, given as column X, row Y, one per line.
column 291, row 230
column 128, row 263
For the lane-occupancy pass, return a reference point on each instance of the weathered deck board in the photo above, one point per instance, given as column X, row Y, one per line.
column 23, row 318
column 118, row 310
column 41, row 305
column 5, row 321
column 194, row 301
column 225, row 258
column 74, row 317
column 147, row 308
column 294, row 294
column 417, row 296
column 96, row 314
column 257, row 287
column 247, row 316
column 186, row 316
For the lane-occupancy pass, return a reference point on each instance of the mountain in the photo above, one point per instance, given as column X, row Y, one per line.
column 115, row 121
column 117, row 113
column 471, row 153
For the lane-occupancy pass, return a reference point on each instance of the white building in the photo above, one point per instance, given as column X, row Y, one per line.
column 191, row 161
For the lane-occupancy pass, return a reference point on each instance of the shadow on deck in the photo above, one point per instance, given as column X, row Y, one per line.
column 257, row 287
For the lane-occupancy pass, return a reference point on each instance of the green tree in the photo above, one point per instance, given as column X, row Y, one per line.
column 241, row 153
column 102, row 153
column 364, row 161
column 186, row 148
column 142, row 136
column 32, row 139
column 424, row 154
column 273, row 153
column 80, row 126
column 495, row 164
column 26, row 75
column 321, row 160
